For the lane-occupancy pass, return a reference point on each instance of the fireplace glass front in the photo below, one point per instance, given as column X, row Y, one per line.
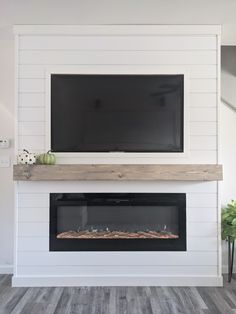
column 117, row 222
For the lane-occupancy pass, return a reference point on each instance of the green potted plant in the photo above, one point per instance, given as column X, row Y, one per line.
column 228, row 222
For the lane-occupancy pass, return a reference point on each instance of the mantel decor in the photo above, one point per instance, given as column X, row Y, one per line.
column 117, row 172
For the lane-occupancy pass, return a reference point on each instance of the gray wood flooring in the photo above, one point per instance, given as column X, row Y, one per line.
column 117, row 300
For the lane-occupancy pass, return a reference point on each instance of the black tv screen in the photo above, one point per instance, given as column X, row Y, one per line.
column 117, row 113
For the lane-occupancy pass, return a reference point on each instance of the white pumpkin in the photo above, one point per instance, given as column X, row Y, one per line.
column 26, row 158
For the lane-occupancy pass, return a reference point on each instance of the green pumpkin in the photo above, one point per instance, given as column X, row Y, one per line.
column 46, row 159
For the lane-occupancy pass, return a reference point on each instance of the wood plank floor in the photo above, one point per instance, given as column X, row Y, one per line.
column 117, row 300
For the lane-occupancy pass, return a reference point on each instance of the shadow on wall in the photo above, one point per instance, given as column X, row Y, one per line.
column 228, row 76
column 228, row 59
column 228, row 122
column 228, row 130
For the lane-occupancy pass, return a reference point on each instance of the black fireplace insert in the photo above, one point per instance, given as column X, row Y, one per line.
column 117, row 222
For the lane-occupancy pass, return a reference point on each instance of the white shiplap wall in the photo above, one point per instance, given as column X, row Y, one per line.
column 152, row 49
column 178, row 51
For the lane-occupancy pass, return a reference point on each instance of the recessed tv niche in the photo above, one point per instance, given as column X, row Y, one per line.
column 117, row 113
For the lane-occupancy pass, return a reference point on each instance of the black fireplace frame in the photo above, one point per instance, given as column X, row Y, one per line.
column 168, row 199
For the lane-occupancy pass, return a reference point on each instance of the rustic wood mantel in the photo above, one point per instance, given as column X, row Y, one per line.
column 115, row 172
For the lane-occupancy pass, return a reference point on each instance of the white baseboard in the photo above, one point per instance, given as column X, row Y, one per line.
column 58, row 281
column 6, row 269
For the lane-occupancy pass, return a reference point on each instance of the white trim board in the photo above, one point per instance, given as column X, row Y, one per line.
column 117, row 29
column 113, row 280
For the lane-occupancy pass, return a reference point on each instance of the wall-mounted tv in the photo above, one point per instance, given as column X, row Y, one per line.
column 117, row 113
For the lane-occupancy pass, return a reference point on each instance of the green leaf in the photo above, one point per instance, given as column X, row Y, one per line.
column 234, row 222
column 228, row 222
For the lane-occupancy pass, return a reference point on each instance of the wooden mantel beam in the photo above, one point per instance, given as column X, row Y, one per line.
column 116, row 172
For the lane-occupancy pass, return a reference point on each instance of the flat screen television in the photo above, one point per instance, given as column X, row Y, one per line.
column 117, row 113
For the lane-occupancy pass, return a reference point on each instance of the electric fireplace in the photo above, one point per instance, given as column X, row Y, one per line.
column 117, row 222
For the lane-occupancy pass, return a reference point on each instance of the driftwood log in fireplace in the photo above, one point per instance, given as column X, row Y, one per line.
column 116, row 235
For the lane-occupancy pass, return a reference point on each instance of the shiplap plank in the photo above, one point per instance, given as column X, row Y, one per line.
column 196, row 85
column 27, row 71
column 41, row 214
column 201, row 214
column 31, row 85
column 33, row 200
column 117, row 269
column 117, row 57
column 31, row 142
column 203, row 128
column 36, row 244
column 202, row 71
column 202, row 244
column 118, row 42
column 31, row 114
column 201, row 200
column 203, row 143
column 197, row 156
column 31, row 100
column 41, row 229
column 118, row 187
column 203, row 86
column 202, row 229
column 33, row 229
column 37, row 142
column 118, row 30
column 117, row 258
column 203, row 114
column 31, row 128
column 33, row 214
column 30, row 71
column 194, row 157
column 196, row 114
column 204, row 100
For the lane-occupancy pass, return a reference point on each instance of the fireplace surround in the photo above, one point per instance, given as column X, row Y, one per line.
column 117, row 222
column 191, row 50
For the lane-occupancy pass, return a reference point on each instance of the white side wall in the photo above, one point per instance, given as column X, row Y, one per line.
column 228, row 154
column 228, row 126
column 7, row 121
column 228, row 131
